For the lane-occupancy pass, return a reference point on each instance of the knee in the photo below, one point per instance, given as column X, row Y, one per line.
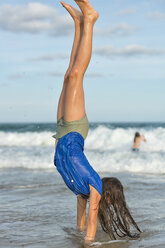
column 66, row 77
column 74, row 73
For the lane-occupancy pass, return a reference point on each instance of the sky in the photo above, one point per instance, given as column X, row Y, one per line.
column 125, row 81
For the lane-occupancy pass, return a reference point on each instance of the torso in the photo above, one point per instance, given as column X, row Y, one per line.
column 137, row 142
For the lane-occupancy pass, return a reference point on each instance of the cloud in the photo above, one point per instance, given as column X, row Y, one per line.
column 157, row 15
column 94, row 75
column 89, row 74
column 55, row 74
column 23, row 75
column 4, row 85
column 49, row 57
column 16, row 76
column 120, row 29
column 34, row 18
column 128, row 51
column 125, row 12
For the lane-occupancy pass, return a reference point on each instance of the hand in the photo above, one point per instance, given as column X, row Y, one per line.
column 87, row 243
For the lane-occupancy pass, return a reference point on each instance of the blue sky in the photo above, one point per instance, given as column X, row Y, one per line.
column 125, row 80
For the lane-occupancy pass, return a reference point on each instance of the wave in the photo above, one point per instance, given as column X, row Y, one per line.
column 100, row 138
column 104, row 139
column 108, row 150
column 26, row 139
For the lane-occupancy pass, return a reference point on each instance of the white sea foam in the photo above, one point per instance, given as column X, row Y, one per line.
column 110, row 150
column 104, row 139
column 107, row 149
column 96, row 244
column 26, row 139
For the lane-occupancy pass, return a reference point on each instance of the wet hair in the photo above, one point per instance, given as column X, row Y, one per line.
column 114, row 215
column 137, row 134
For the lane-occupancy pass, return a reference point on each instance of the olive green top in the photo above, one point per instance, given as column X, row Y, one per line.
column 64, row 127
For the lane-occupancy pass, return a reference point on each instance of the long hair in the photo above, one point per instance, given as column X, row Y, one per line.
column 137, row 134
column 114, row 215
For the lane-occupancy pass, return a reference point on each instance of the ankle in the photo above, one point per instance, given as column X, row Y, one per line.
column 90, row 19
column 79, row 23
column 81, row 228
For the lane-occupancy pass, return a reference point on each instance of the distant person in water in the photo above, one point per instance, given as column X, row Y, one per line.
column 137, row 140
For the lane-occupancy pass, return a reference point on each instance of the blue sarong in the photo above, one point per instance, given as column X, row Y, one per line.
column 74, row 167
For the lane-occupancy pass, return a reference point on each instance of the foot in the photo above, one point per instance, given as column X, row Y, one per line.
column 88, row 11
column 75, row 13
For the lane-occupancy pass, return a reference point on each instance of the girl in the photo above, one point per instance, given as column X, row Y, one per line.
column 72, row 129
column 137, row 140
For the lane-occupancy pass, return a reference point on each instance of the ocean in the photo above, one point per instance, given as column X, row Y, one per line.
column 37, row 210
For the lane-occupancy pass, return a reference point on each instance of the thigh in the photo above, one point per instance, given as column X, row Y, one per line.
column 74, row 106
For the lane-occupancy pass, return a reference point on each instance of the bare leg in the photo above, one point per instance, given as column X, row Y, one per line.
column 78, row 21
column 74, row 107
column 81, row 213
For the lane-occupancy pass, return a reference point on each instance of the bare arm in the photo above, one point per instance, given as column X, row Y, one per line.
column 92, row 215
column 143, row 138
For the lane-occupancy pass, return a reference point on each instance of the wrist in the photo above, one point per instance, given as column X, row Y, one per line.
column 88, row 240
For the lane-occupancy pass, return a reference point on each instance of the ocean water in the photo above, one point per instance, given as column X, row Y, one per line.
column 37, row 209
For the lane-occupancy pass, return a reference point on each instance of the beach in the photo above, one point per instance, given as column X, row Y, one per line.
column 38, row 210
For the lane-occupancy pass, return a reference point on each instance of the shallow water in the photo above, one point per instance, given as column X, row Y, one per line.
column 37, row 210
